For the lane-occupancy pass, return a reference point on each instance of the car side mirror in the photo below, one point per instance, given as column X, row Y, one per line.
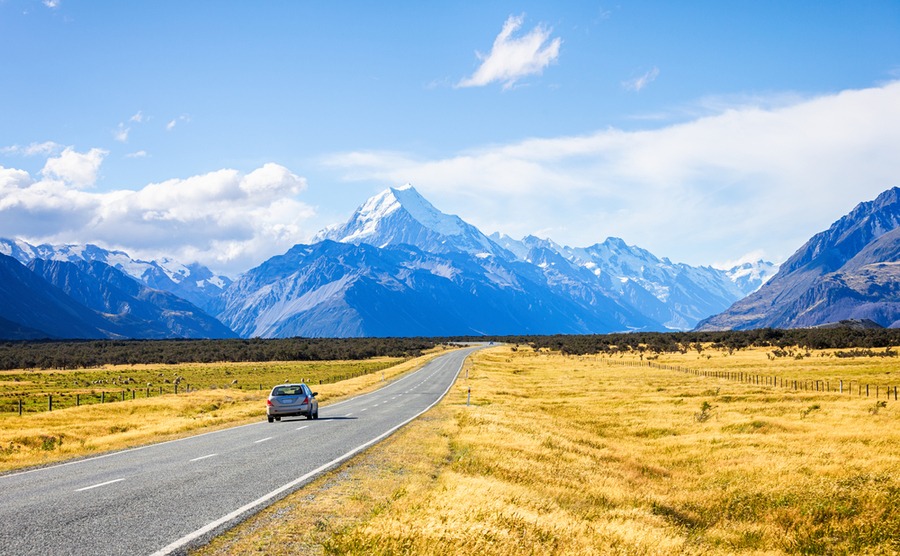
column 314, row 394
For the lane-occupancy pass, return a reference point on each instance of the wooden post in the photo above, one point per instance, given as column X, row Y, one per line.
column 102, row 397
column 20, row 407
column 77, row 400
column 123, row 395
column 842, row 386
column 49, row 402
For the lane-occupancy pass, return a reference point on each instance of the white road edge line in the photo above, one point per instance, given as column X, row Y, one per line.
column 263, row 439
column 164, row 551
column 203, row 457
column 99, row 485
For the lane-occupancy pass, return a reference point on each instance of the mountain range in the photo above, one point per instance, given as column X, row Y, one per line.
column 401, row 267
column 851, row 271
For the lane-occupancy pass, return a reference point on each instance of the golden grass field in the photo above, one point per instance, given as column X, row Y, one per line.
column 585, row 455
column 42, row 437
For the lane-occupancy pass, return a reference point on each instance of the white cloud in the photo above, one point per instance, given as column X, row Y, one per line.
column 121, row 133
column 138, row 117
column 638, row 83
column 225, row 219
column 746, row 178
column 137, row 154
column 34, row 149
column 52, row 3
column 512, row 58
column 74, row 168
column 172, row 123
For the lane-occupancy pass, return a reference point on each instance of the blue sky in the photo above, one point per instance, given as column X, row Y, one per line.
column 225, row 132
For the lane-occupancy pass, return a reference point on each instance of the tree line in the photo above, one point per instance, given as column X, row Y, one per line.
column 94, row 353
column 842, row 338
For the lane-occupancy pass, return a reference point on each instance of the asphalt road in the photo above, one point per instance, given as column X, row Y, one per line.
column 168, row 497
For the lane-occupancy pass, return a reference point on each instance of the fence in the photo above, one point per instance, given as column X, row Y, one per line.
column 62, row 400
column 810, row 385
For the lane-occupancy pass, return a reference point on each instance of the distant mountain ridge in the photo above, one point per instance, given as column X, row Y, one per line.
column 193, row 282
column 68, row 292
column 397, row 267
column 430, row 264
column 849, row 272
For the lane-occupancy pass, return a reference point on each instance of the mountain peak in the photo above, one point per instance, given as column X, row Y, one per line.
column 400, row 215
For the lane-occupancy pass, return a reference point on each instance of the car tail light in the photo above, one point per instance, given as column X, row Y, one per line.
column 306, row 400
column 268, row 402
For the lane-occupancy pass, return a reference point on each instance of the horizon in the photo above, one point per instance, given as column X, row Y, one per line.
column 704, row 133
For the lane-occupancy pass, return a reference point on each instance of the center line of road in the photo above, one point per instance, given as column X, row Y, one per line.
column 301, row 428
column 349, row 414
column 263, row 439
column 203, row 457
column 99, row 485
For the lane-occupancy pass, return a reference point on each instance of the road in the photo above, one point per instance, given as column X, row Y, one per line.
column 165, row 498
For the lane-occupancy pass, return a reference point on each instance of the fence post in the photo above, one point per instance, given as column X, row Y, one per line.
column 842, row 386
column 103, row 397
column 20, row 407
column 49, row 402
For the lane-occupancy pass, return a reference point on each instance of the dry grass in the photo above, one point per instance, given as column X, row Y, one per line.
column 38, row 438
column 575, row 456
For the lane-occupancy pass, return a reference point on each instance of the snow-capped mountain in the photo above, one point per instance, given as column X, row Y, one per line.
column 193, row 282
column 400, row 266
column 397, row 267
column 345, row 289
column 675, row 294
column 399, row 216
column 851, row 271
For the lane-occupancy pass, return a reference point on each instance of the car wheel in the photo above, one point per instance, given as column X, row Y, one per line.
column 316, row 414
column 278, row 419
column 271, row 419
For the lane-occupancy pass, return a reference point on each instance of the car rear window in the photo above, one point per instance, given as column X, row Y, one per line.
column 287, row 391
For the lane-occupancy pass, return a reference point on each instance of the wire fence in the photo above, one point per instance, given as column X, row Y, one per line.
column 838, row 386
column 52, row 401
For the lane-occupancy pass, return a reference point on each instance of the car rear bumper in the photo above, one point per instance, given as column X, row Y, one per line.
column 289, row 412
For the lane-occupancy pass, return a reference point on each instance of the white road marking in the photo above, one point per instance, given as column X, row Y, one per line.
column 301, row 428
column 99, row 485
column 361, row 410
column 203, row 457
column 349, row 414
column 263, row 439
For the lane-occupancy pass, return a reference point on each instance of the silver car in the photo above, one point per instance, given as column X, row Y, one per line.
column 292, row 400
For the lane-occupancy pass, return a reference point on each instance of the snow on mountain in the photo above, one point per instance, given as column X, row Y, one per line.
column 847, row 272
column 750, row 276
column 400, row 215
column 193, row 282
